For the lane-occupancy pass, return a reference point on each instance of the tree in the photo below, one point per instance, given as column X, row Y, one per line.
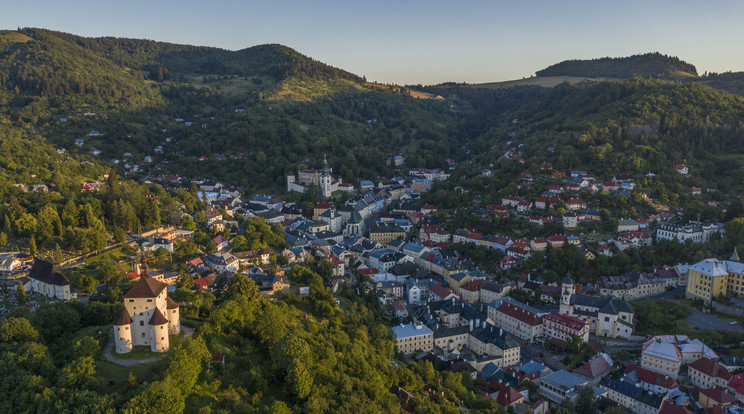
column 211, row 246
column 32, row 246
column 299, row 380
column 21, row 294
column 58, row 257
column 586, row 403
column 16, row 329
column 78, row 372
column 188, row 223
column 241, row 284
column 3, row 239
column 26, row 224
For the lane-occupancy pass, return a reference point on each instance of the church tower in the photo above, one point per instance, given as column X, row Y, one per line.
column 567, row 290
column 325, row 179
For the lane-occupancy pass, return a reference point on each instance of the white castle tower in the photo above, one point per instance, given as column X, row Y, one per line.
column 325, row 180
column 148, row 317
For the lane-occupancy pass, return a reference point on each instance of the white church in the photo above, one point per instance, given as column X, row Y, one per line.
column 148, row 318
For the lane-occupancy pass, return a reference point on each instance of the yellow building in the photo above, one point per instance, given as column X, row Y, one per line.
column 413, row 337
column 711, row 278
column 385, row 233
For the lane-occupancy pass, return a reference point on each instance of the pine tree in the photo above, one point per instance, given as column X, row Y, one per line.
column 3, row 239
column 32, row 246
column 21, row 294
column 58, row 258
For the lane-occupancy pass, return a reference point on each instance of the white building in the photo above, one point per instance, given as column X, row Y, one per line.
column 148, row 318
column 47, row 279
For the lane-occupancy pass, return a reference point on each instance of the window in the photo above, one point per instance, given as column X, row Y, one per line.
column 143, row 334
column 131, row 300
column 149, row 300
column 142, row 323
column 126, row 328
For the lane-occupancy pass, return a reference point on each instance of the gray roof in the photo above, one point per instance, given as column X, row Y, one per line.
column 611, row 306
column 405, row 331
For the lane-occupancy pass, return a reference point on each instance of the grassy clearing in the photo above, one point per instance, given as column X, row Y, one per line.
column 116, row 375
column 11, row 36
column 120, row 253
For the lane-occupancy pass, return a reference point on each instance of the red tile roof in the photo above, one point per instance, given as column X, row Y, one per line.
column 668, row 407
column 566, row 320
column 473, row 285
column 711, row 368
column 440, row 291
column 520, row 314
column 717, row 395
column 651, row 377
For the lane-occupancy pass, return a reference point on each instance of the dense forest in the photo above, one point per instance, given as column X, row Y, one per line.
column 649, row 65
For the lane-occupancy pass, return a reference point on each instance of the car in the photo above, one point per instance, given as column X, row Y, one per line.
column 697, row 327
column 733, row 323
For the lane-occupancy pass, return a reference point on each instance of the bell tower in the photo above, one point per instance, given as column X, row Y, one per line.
column 567, row 290
column 325, row 179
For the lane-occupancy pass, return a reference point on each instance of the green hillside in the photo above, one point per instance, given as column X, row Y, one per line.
column 649, row 65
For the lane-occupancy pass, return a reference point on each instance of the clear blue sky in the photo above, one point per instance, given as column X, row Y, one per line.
column 414, row 41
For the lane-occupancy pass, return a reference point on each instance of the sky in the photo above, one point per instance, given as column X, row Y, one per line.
column 414, row 41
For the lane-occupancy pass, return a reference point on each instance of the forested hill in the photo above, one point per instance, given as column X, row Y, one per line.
column 169, row 59
column 649, row 65
column 266, row 109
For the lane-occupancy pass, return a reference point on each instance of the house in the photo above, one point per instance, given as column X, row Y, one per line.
column 508, row 262
column 649, row 380
column 681, row 168
column 632, row 239
column 595, row 369
column 48, row 280
column 561, row 385
column 631, row 285
column 736, row 387
column 714, row 397
column 564, row 327
column 439, row 292
column 697, row 232
column 707, row 373
column 557, row 240
column 626, row 225
column 570, row 220
column 575, row 204
column 149, row 317
column 221, row 243
column 222, row 262
column 254, row 257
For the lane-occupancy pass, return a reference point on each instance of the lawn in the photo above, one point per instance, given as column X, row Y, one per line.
column 116, row 374
column 119, row 253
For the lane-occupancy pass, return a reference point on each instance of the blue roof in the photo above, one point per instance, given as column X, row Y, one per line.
column 531, row 367
column 405, row 331
column 564, row 379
